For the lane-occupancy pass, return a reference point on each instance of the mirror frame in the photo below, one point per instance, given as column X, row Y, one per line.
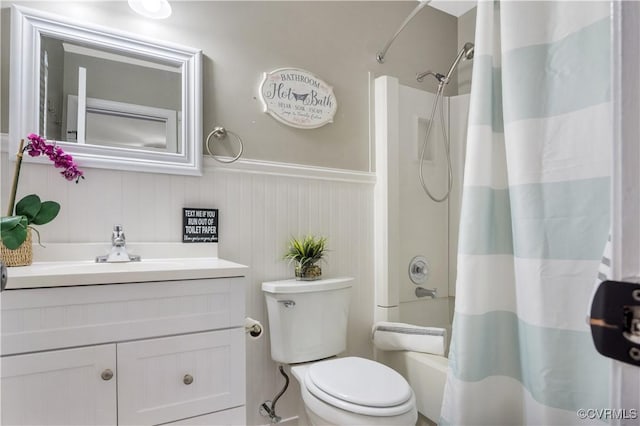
column 27, row 28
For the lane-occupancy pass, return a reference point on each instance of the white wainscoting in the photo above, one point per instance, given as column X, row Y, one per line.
column 261, row 205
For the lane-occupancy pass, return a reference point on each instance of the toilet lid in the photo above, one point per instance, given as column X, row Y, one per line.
column 358, row 381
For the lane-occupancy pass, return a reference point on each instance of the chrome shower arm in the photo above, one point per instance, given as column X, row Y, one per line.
column 420, row 76
column 380, row 55
column 466, row 53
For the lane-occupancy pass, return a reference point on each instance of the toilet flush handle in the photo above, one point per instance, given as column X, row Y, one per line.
column 287, row 303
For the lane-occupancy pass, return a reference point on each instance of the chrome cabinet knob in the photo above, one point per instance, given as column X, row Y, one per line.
column 188, row 379
column 107, row 374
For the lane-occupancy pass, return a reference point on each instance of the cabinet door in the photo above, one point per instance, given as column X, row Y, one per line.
column 64, row 387
column 167, row 379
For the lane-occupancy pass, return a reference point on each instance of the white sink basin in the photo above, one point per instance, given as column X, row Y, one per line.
column 62, row 272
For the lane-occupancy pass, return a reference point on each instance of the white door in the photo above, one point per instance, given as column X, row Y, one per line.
column 62, row 387
column 625, row 234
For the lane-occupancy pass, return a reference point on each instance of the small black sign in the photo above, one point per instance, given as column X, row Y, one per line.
column 199, row 225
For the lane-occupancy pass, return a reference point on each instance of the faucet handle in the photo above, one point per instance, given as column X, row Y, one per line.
column 117, row 236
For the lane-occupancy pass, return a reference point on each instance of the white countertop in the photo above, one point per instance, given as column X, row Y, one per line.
column 61, row 265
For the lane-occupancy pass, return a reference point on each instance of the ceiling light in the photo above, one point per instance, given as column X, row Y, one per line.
column 156, row 9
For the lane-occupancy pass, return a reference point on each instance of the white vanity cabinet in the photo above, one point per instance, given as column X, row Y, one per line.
column 139, row 353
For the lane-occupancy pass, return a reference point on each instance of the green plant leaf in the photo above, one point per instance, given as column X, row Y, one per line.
column 29, row 206
column 305, row 251
column 13, row 232
column 7, row 223
column 48, row 211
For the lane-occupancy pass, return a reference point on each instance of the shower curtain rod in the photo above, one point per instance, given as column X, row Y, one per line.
column 380, row 55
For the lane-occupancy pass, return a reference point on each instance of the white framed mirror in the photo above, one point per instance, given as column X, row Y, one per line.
column 111, row 99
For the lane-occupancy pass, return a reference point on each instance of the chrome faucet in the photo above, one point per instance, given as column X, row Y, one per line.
column 118, row 251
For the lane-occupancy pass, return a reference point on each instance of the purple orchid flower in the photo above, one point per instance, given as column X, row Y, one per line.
column 38, row 146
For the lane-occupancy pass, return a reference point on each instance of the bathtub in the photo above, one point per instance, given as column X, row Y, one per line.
column 426, row 373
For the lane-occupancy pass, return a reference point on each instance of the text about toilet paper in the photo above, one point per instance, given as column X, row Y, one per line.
column 199, row 225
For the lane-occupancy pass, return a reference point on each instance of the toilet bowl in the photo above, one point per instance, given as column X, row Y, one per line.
column 308, row 328
column 355, row 391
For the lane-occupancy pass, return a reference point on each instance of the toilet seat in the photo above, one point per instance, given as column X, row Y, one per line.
column 360, row 386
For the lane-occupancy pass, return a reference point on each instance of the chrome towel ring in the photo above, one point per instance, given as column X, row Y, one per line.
column 220, row 133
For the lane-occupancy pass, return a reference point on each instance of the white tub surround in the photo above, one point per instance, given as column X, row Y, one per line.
column 162, row 345
column 407, row 222
column 61, row 265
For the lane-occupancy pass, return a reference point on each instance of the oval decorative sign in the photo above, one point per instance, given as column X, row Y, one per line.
column 297, row 98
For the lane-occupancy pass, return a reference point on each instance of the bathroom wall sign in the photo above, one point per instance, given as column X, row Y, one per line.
column 297, row 98
column 199, row 225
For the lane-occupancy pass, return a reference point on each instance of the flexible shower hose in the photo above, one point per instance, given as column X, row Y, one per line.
column 446, row 147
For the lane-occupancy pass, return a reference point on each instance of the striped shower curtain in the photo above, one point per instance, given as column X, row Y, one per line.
column 535, row 217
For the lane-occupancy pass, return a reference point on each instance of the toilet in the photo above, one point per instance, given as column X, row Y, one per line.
column 308, row 328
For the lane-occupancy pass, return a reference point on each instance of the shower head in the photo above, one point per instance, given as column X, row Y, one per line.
column 465, row 53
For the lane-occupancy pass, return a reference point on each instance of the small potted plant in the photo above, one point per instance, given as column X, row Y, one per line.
column 306, row 253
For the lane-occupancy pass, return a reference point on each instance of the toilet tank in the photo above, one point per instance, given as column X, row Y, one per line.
column 307, row 319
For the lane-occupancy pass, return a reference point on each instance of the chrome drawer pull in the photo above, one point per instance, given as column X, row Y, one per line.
column 107, row 374
column 188, row 379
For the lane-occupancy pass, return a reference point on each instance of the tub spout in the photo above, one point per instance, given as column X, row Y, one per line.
column 424, row 292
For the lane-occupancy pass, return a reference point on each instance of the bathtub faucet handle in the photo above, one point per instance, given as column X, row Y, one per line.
column 419, row 270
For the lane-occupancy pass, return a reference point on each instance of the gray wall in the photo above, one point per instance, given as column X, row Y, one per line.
column 122, row 82
column 53, row 104
column 466, row 32
column 240, row 40
column 5, row 19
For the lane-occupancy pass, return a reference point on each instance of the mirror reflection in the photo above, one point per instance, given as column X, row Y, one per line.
column 111, row 99
column 94, row 96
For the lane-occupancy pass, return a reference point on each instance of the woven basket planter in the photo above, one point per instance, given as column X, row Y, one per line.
column 22, row 256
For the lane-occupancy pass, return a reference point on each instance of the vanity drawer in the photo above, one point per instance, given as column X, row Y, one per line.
column 167, row 379
column 51, row 318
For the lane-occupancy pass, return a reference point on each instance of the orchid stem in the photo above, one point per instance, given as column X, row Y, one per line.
column 16, row 176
